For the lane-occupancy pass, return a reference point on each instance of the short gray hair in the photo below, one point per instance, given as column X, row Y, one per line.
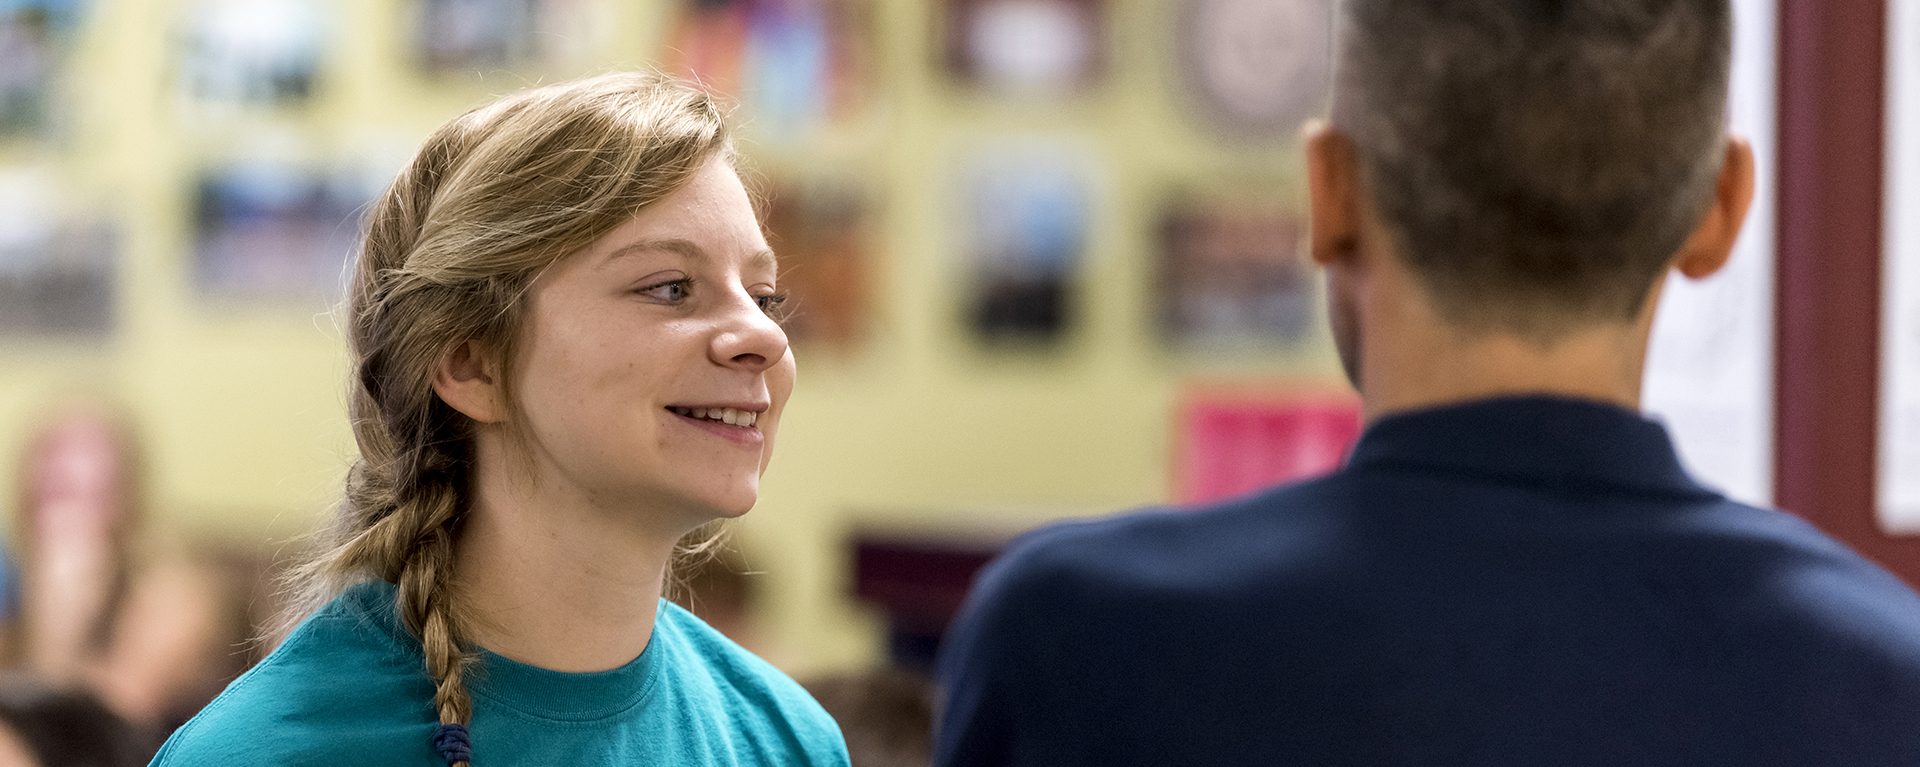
column 1538, row 161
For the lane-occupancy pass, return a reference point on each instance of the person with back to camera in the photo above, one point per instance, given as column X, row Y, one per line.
column 1512, row 568
column 563, row 362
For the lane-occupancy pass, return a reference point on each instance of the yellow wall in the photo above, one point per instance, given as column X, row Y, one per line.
column 916, row 426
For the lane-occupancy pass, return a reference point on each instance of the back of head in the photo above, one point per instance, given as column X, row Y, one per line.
column 1537, row 161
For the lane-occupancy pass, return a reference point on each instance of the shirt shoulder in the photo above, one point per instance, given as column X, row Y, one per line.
column 1200, row 553
column 343, row 688
column 1152, row 566
column 1034, row 641
column 775, row 718
column 1803, row 577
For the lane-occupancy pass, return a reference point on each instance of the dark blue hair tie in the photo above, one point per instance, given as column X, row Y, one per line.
column 451, row 739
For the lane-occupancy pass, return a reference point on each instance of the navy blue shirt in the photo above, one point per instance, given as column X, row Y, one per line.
column 1526, row 581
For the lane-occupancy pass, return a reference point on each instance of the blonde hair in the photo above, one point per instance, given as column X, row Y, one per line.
column 488, row 202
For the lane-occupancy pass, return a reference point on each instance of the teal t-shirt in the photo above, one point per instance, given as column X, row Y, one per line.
column 349, row 687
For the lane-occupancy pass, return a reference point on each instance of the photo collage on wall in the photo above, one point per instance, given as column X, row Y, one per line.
column 462, row 35
column 1231, row 275
column 819, row 231
column 1027, row 212
column 34, row 38
column 479, row 36
column 1228, row 273
column 1258, row 66
column 1230, row 443
column 58, row 259
column 252, row 53
column 276, row 230
column 281, row 225
column 1033, row 49
column 57, row 271
column 797, row 67
column 273, row 219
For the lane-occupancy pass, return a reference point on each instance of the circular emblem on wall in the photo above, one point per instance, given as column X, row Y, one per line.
column 1258, row 65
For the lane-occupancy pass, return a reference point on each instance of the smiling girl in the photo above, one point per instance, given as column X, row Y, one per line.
column 563, row 362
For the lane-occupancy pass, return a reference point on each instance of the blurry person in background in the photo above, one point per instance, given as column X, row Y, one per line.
column 154, row 632
column 42, row 726
column 1513, row 568
column 565, row 360
column 79, row 511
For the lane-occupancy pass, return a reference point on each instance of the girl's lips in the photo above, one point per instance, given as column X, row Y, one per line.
column 745, row 436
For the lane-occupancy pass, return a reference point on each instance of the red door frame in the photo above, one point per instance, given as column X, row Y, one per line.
column 1827, row 286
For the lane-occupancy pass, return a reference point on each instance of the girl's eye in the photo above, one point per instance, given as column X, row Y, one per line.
column 672, row 291
column 771, row 304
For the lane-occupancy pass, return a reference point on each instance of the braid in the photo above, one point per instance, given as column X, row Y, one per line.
column 426, row 604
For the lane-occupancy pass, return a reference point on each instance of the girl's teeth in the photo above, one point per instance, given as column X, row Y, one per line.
column 724, row 415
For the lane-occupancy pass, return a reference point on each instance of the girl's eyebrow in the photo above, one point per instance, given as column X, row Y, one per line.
column 761, row 259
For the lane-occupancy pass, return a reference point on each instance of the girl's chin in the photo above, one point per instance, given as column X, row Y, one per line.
column 733, row 512
column 730, row 506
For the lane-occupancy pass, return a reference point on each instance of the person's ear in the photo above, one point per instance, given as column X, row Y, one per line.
column 467, row 378
column 1333, row 217
column 1711, row 243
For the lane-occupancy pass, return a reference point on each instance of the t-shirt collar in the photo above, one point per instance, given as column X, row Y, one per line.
column 566, row 695
column 532, row 690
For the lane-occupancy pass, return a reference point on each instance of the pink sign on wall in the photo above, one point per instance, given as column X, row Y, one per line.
column 1233, row 446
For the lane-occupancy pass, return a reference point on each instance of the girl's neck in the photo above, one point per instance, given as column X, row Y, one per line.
column 556, row 582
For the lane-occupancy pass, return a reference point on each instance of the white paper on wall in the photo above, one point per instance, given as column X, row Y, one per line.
column 1899, row 448
column 1710, row 368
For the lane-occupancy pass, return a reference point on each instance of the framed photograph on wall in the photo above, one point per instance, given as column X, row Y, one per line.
column 276, row 230
column 796, row 66
column 459, row 35
column 819, row 230
column 1026, row 212
column 253, row 52
column 1026, row 48
column 61, row 284
column 1235, row 441
column 34, row 38
column 1231, row 274
column 57, row 271
column 1257, row 66
column 469, row 36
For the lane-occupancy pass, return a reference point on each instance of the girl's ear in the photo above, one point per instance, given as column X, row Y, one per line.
column 467, row 378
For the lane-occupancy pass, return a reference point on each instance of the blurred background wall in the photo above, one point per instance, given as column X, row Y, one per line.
column 1031, row 242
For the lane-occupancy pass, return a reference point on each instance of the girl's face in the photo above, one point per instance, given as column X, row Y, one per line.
column 648, row 372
